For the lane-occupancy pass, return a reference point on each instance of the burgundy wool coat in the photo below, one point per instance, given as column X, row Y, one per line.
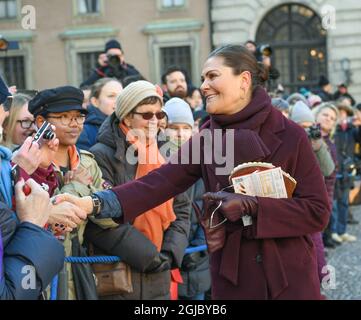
column 274, row 258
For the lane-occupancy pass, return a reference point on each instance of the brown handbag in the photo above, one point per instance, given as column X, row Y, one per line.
column 112, row 279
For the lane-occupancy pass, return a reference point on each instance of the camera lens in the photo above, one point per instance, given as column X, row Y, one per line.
column 113, row 60
column 48, row 135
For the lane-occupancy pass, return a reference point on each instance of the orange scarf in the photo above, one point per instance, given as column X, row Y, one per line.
column 74, row 158
column 153, row 222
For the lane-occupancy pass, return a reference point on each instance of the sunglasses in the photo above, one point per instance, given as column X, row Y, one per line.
column 149, row 115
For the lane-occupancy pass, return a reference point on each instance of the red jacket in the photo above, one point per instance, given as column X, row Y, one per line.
column 274, row 258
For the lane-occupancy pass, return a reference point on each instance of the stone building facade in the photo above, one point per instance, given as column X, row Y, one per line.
column 334, row 51
column 69, row 34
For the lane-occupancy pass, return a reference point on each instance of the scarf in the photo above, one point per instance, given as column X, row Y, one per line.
column 46, row 177
column 153, row 222
column 74, row 158
column 248, row 145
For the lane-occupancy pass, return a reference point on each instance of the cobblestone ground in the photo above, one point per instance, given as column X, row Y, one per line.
column 346, row 259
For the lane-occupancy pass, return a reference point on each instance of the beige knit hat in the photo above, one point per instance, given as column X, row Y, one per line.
column 133, row 94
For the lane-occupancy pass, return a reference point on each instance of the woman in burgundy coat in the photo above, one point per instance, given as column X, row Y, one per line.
column 274, row 257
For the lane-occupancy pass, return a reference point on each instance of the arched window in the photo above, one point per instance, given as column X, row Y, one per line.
column 298, row 41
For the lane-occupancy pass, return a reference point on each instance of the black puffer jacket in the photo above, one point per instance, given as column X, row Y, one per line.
column 195, row 267
column 110, row 154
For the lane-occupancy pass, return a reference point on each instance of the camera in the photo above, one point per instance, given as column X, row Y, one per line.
column 314, row 132
column 349, row 165
column 263, row 50
column 44, row 133
column 113, row 61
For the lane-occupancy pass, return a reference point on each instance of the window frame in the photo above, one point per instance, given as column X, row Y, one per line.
column 17, row 15
column 163, row 8
column 79, row 71
column 294, row 46
column 89, row 14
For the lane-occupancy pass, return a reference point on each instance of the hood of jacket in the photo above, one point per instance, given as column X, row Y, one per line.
column 95, row 116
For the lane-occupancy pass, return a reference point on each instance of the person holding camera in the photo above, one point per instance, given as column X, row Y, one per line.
column 111, row 64
column 23, row 241
column 302, row 115
column 263, row 54
column 347, row 134
column 326, row 114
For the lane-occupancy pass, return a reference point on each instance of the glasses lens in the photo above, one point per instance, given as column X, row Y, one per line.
column 27, row 124
column 147, row 115
column 80, row 119
column 160, row 115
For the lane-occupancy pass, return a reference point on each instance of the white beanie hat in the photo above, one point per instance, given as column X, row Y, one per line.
column 178, row 111
column 301, row 113
column 133, row 94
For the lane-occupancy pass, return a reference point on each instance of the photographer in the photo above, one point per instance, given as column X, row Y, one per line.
column 346, row 135
column 302, row 115
column 263, row 54
column 112, row 64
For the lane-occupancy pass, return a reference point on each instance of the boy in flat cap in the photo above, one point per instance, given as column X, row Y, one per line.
column 76, row 170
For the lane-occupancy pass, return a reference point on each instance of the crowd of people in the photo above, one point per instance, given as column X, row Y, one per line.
column 114, row 174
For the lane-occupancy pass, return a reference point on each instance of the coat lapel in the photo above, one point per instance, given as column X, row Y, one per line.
column 269, row 133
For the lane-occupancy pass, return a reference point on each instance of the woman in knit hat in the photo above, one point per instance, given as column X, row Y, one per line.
column 303, row 116
column 127, row 149
column 326, row 114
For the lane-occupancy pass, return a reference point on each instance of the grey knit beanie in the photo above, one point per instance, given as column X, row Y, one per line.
column 178, row 111
column 280, row 104
column 300, row 112
column 133, row 94
column 293, row 98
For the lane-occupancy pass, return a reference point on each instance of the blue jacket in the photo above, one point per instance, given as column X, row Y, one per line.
column 26, row 247
column 5, row 176
column 93, row 121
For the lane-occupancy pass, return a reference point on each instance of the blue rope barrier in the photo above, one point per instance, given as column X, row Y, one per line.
column 196, row 249
column 54, row 288
column 91, row 260
column 102, row 259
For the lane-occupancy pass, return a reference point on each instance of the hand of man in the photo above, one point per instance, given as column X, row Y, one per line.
column 29, row 156
column 83, row 203
column 67, row 215
column 35, row 207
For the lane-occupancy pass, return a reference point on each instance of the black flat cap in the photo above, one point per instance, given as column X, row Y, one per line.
column 59, row 99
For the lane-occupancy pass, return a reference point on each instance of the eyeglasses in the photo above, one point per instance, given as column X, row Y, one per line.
column 66, row 120
column 149, row 115
column 26, row 124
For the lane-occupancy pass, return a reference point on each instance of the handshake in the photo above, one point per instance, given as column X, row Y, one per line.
column 63, row 212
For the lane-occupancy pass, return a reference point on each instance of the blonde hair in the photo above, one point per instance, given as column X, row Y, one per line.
column 19, row 100
column 326, row 105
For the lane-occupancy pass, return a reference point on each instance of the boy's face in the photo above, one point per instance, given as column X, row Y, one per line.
column 69, row 125
column 179, row 132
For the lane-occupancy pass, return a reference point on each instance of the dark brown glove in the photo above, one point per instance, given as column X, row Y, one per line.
column 213, row 225
column 234, row 206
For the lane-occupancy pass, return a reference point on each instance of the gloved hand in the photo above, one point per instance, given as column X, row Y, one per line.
column 161, row 262
column 192, row 260
column 234, row 205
